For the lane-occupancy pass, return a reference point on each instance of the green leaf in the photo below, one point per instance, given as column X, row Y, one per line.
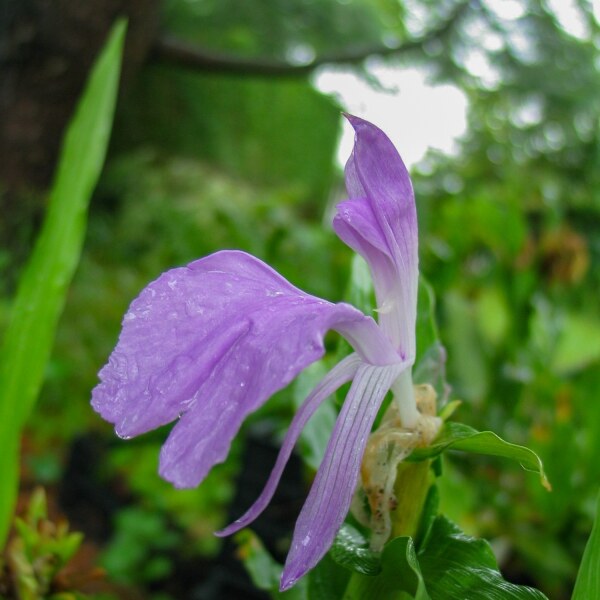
column 327, row 581
column 400, row 577
column 263, row 569
column 493, row 315
column 468, row 368
column 430, row 364
column 457, row 436
column 350, row 550
column 587, row 585
column 46, row 278
column 426, row 326
column 455, row 565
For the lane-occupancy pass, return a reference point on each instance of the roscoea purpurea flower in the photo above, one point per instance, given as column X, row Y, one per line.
column 208, row 343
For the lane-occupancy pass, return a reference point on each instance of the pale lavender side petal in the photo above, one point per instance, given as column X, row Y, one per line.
column 375, row 174
column 340, row 374
column 331, row 493
column 213, row 341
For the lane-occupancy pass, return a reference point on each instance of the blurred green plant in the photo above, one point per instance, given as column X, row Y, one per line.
column 588, row 580
column 44, row 283
column 37, row 554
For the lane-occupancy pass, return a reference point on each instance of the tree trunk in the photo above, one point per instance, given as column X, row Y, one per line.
column 46, row 50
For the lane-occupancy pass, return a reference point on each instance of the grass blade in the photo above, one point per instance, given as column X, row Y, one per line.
column 44, row 283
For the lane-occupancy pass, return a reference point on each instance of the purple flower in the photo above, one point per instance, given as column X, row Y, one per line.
column 208, row 343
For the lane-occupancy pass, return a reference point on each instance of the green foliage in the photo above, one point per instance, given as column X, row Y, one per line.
column 43, row 285
column 264, row 570
column 350, row 549
column 287, row 29
column 457, row 436
column 458, row 566
column 197, row 512
column 447, row 566
column 400, row 577
column 141, row 549
column 38, row 552
column 588, row 579
column 237, row 125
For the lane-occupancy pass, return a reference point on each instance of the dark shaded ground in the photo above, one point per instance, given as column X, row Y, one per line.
column 91, row 505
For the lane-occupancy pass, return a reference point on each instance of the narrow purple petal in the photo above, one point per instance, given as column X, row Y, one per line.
column 340, row 374
column 384, row 229
column 213, row 341
column 331, row 493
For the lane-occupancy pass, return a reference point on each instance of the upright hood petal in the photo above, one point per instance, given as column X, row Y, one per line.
column 379, row 221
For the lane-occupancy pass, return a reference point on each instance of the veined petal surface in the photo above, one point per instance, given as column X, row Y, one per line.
column 340, row 374
column 331, row 493
column 212, row 342
column 380, row 222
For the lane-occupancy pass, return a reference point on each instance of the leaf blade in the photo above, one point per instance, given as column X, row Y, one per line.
column 457, row 436
column 455, row 565
column 587, row 584
column 43, row 286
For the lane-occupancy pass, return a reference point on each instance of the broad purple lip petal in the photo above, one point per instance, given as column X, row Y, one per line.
column 213, row 341
column 375, row 174
column 340, row 374
column 331, row 493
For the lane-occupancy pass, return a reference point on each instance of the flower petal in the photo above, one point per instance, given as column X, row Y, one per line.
column 376, row 175
column 357, row 226
column 340, row 374
column 214, row 340
column 332, row 490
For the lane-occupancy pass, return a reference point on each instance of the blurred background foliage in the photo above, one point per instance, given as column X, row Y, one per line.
column 222, row 140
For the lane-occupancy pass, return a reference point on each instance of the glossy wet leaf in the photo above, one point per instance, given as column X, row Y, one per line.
column 457, row 436
column 400, row 577
column 351, row 550
column 455, row 565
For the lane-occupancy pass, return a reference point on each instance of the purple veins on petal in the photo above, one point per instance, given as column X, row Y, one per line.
column 208, row 343
column 339, row 375
column 380, row 222
column 329, row 498
column 212, row 342
column 357, row 226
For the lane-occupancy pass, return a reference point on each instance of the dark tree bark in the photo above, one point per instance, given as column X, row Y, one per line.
column 46, row 50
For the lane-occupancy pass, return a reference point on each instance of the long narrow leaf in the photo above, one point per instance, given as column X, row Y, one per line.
column 43, row 286
column 587, row 585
